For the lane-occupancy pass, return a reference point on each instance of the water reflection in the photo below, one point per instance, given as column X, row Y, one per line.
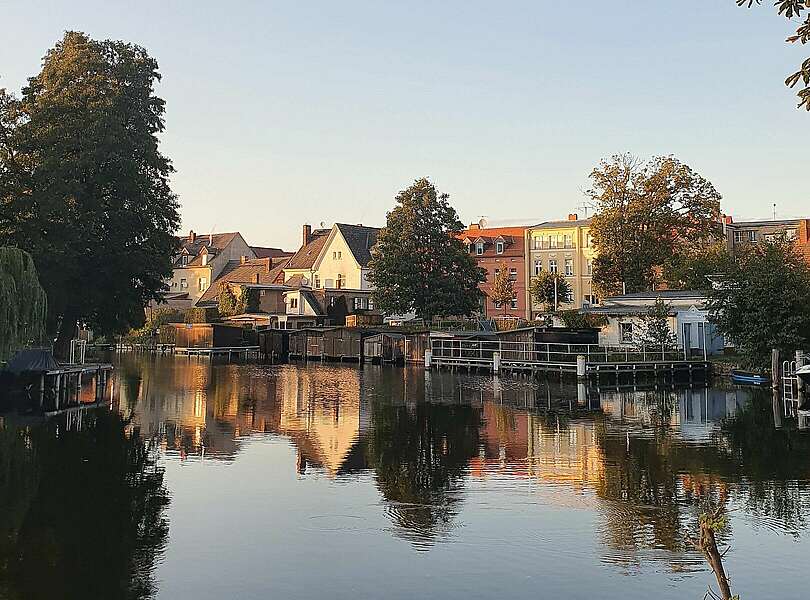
column 637, row 461
column 82, row 509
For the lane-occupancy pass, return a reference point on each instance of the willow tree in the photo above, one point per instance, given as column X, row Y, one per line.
column 23, row 303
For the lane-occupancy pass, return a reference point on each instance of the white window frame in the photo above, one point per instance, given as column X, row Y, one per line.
column 498, row 247
column 479, row 248
column 626, row 332
column 569, row 267
column 552, row 265
column 538, row 266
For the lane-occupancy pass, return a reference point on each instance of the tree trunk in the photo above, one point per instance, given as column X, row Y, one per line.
column 708, row 545
column 67, row 331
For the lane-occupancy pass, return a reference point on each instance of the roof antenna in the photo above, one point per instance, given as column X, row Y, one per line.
column 482, row 222
column 774, row 211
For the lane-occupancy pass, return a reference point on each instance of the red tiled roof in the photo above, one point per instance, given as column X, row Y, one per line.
column 259, row 270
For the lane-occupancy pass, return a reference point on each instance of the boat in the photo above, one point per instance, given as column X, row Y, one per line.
column 749, row 377
column 804, row 373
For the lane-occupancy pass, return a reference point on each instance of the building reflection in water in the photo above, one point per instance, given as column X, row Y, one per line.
column 642, row 458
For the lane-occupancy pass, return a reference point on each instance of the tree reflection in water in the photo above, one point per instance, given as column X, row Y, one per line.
column 419, row 454
column 83, row 511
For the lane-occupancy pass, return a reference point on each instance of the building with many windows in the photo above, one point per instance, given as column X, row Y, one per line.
column 561, row 247
column 742, row 233
column 497, row 249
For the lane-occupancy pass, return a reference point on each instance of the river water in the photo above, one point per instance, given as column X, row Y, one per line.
column 213, row 480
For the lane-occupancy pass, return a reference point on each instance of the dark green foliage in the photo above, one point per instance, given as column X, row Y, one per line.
column 800, row 9
column 418, row 263
column 654, row 330
column 549, row 289
column 200, row 315
column 84, row 186
column 762, row 303
column 248, row 300
column 579, row 320
column 155, row 319
column 23, row 303
column 691, row 268
column 227, row 303
column 646, row 214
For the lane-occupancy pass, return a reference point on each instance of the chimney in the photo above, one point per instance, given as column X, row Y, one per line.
column 573, row 217
column 307, row 234
column 242, row 259
column 210, row 239
column 192, row 237
column 727, row 219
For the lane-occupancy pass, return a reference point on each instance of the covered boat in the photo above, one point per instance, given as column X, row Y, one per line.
column 35, row 360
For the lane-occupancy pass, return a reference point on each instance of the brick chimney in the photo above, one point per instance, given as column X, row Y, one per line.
column 475, row 226
column 307, row 235
column 192, row 237
column 727, row 219
column 573, row 217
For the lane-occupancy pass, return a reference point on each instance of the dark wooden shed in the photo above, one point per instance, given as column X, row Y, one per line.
column 386, row 347
column 210, row 335
column 343, row 343
column 415, row 345
column 274, row 344
column 545, row 344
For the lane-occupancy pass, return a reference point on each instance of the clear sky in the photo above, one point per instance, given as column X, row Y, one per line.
column 280, row 113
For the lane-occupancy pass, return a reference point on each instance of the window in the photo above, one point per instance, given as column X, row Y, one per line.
column 738, row 237
column 498, row 247
column 626, row 332
column 538, row 242
column 590, row 267
column 514, row 303
column 185, row 259
column 567, row 241
column 569, row 267
column 790, row 234
column 174, row 284
column 317, row 281
column 203, row 284
column 337, row 255
column 497, row 272
column 552, row 241
column 293, row 302
column 341, row 282
column 205, row 259
column 183, row 284
column 512, row 274
column 587, row 240
column 538, row 267
column 479, row 248
column 591, row 299
column 752, row 235
column 552, row 266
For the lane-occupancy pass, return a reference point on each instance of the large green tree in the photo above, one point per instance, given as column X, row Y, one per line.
column 800, row 9
column 84, row 186
column 646, row 214
column 418, row 263
column 761, row 302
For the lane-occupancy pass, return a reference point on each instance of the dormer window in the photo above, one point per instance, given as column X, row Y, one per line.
column 204, row 259
column 479, row 248
column 185, row 259
column 498, row 247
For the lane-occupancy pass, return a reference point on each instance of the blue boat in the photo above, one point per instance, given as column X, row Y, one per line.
column 749, row 377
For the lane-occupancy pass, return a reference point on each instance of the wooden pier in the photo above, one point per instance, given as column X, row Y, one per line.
column 229, row 351
column 496, row 356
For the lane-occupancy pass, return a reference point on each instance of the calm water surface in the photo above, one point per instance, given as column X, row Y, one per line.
column 209, row 480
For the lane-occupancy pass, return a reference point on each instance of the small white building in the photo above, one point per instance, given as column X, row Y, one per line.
column 688, row 318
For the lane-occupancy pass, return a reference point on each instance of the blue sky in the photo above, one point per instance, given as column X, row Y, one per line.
column 280, row 113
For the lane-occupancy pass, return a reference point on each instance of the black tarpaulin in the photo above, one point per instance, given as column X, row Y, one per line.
column 28, row 361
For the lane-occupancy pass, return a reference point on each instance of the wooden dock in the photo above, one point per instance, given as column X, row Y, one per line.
column 229, row 351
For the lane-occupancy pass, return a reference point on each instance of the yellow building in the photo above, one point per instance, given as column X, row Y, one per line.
column 561, row 247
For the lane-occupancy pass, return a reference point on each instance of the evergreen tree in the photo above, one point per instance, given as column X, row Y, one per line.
column 503, row 289
column 550, row 290
column 418, row 263
column 84, row 186
column 227, row 303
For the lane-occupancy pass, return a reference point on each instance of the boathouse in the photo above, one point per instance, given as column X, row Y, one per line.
column 385, row 347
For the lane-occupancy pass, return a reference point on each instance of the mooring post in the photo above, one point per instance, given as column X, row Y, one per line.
column 428, row 359
column 496, row 362
column 799, row 382
column 776, row 374
column 581, row 366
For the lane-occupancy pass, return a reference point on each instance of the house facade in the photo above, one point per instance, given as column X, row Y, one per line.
column 498, row 249
column 562, row 247
column 740, row 234
column 688, row 318
column 200, row 261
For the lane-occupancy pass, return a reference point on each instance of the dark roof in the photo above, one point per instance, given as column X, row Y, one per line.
column 245, row 273
column 309, row 252
column 557, row 224
column 214, row 242
column 620, row 309
column 312, row 300
column 778, row 223
column 263, row 252
column 361, row 240
column 32, row 361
